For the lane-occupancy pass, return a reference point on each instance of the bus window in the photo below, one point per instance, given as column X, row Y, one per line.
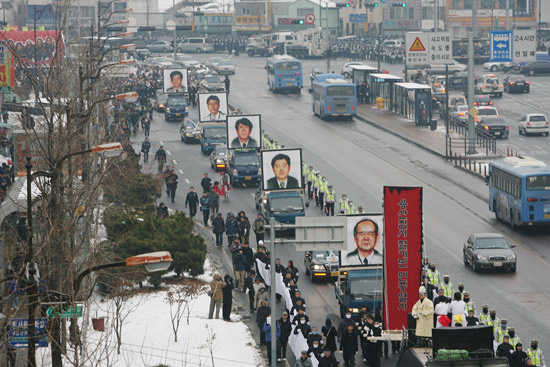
column 340, row 91
column 287, row 66
column 537, row 183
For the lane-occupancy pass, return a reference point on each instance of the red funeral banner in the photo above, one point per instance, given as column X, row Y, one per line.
column 402, row 252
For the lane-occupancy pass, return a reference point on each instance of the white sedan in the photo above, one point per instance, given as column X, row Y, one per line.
column 497, row 65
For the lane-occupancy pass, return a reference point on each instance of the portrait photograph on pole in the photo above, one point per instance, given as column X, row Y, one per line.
column 174, row 81
column 213, row 107
column 244, row 131
column 282, row 169
column 365, row 241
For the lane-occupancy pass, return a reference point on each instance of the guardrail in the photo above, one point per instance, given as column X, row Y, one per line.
column 483, row 140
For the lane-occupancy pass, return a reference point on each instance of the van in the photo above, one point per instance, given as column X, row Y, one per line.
column 196, row 44
column 489, row 84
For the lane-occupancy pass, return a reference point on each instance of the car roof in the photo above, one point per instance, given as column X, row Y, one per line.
column 493, row 119
column 535, row 114
column 483, row 96
column 488, row 235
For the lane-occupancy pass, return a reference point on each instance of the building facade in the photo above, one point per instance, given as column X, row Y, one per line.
column 352, row 22
column 400, row 19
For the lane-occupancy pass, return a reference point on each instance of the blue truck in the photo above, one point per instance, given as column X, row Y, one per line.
column 284, row 205
column 212, row 134
column 357, row 286
column 244, row 167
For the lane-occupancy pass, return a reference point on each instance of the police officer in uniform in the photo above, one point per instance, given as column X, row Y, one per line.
column 310, row 178
column 484, row 315
column 535, row 353
column 514, row 339
column 351, row 207
column 316, row 186
column 433, row 275
column 447, row 287
column 468, row 303
column 343, row 204
column 329, row 201
column 323, row 187
column 360, row 209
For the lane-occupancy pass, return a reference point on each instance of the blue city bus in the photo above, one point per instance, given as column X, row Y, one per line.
column 519, row 191
column 284, row 74
column 334, row 96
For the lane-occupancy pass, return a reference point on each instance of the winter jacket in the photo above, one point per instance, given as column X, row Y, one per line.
column 259, row 226
column 249, row 286
column 192, row 198
column 311, row 338
column 261, row 315
column 218, row 226
column 305, row 329
column 205, row 203
column 286, row 328
column 328, row 361
column 301, row 363
column 244, row 228
column 231, row 227
column 267, row 331
column 331, row 337
column 215, row 198
column 261, row 295
column 228, row 291
column 348, row 343
column 258, row 286
column 216, row 287
column 239, row 262
column 249, row 255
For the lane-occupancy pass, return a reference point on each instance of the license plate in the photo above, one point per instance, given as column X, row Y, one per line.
column 340, row 110
column 248, row 178
column 546, row 216
column 334, row 274
column 520, row 83
column 497, row 264
column 497, row 132
column 197, row 137
column 178, row 114
column 288, row 83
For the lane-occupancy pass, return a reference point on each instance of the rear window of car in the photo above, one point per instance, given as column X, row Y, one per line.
column 537, row 118
column 195, row 40
column 487, row 112
column 492, row 80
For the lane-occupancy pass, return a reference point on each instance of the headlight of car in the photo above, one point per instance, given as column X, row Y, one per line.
column 206, row 144
column 318, row 267
column 260, row 170
column 167, row 109
column 186, row 108
column 511, row 257
column 354, row 310
column 235, row 172
column 187, row 134
column 482, row 258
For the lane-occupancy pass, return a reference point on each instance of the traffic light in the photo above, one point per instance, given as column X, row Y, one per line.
column 399, row 4
column 371, row 5
column 342, row 5
column 296, row 21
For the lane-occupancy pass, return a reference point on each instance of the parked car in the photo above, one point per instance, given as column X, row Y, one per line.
column 159, row 61
column 321, row 264
column 176, row 107
column 482, row 100
column 347, row 71
column 212, row 83
column 512, row 85
column 489, row 84
column 218, row 157
column 494, row 125
column 454, row 68
column 189, row 131
column 188, row 62
column 489, row 250
column 195, row 44
column 536, row 67
column 533, row 123
column 225, row 67
column 213, row 62
column 160, row 46
column 498, row 65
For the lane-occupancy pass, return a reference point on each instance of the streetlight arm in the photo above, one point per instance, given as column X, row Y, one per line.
column 83, row 274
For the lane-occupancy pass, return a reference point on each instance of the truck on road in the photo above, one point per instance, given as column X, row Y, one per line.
column 283, row 205
column 357, row 286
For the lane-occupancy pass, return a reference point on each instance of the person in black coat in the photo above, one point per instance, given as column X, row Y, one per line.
column 261, row 316
column 206, row 183
column 302, row 327
column 286, row 329
column 518, row 357
column 313, row 337
column 328, row 360
column 227, row 297
column 249, row 255
column 192, row 199
column 330, row 333
column 349, row 346
column 249, row 287
column 218, row 227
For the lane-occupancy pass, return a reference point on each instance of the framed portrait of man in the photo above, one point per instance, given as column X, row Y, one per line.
column 282, row 169
column 174, row 81
column 244, row 131
column 213, row 107
column 365, row 241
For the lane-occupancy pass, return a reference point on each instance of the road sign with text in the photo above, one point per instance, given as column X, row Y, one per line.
column 357, row 18
column 17, row 333
column 428, row 48
column 65, row 313
column 501, row 46
column 524, row 46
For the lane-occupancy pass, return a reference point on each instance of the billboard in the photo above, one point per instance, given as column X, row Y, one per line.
column 364, row 239
column 402, row 252
column 244, row 131
column 174, row 81
column 282, row 169
column 28, row 49
column 213, row 107
column 6, row 67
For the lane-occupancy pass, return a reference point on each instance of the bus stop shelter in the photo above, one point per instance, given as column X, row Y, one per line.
column 360, row 73
column 381, row 86
column 413, row 101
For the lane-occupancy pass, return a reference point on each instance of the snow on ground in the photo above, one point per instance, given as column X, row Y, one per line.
column 148, row 339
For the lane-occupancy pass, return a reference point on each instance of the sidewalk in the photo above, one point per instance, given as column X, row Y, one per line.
column 422, row 136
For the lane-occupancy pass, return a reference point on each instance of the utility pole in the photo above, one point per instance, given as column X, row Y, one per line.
column 175, row 27
column 326, row 35
column 471, row 96
column 436, row 15
column 507, row 15
column 474, row 18
column 273, row 294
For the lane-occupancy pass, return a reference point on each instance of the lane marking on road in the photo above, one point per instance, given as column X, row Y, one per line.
column 167, row 151
column 187, row 181
column 161, row 143
column 181, row 172
column 539, row 148
column 174, row 161
column 253, row 195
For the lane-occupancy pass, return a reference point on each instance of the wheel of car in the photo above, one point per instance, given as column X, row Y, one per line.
column 527, row 90
column 178, row 49
column 519, row 130
column 531, row 72
column 346, row 74
column 465, row 260
column 494, row 68
column 475, row 267
column 199, row 50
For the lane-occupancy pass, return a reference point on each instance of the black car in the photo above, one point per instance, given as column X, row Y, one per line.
column 489, row 250
column 519, row 85
column 536, row 67
column 494, row 125
column 189, row 131
column 483, row 100
column 321, row 264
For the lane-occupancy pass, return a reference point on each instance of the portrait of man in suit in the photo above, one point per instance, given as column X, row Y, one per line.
column 213, row 104
column 243, row 127
column 178, row 81
column 281, row 165
column 366, row 234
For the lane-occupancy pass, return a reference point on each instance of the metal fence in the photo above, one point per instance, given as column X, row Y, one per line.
column 483, row 140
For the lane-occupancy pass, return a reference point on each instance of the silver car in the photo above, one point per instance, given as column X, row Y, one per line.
column 489, row 250
column 160, row 46
column 197, row 44
column 212, row 83
column 225, row 67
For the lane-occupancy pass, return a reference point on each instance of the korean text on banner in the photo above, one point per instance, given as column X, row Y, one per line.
column 402, row 252
column 6, row 67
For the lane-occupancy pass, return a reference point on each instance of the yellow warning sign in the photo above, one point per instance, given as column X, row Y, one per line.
column 417, row 45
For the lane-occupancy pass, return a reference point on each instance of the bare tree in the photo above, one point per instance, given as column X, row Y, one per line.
column 181, row 297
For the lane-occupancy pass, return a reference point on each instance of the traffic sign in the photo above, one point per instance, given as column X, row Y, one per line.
column 17, row 333
column 473, row 111
column 357, row 18
column 66, row 312
column 525, row 46
column 441, row 50
column 417, row 45
column 501, row 46
column 310, row 19
column 352, row 3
